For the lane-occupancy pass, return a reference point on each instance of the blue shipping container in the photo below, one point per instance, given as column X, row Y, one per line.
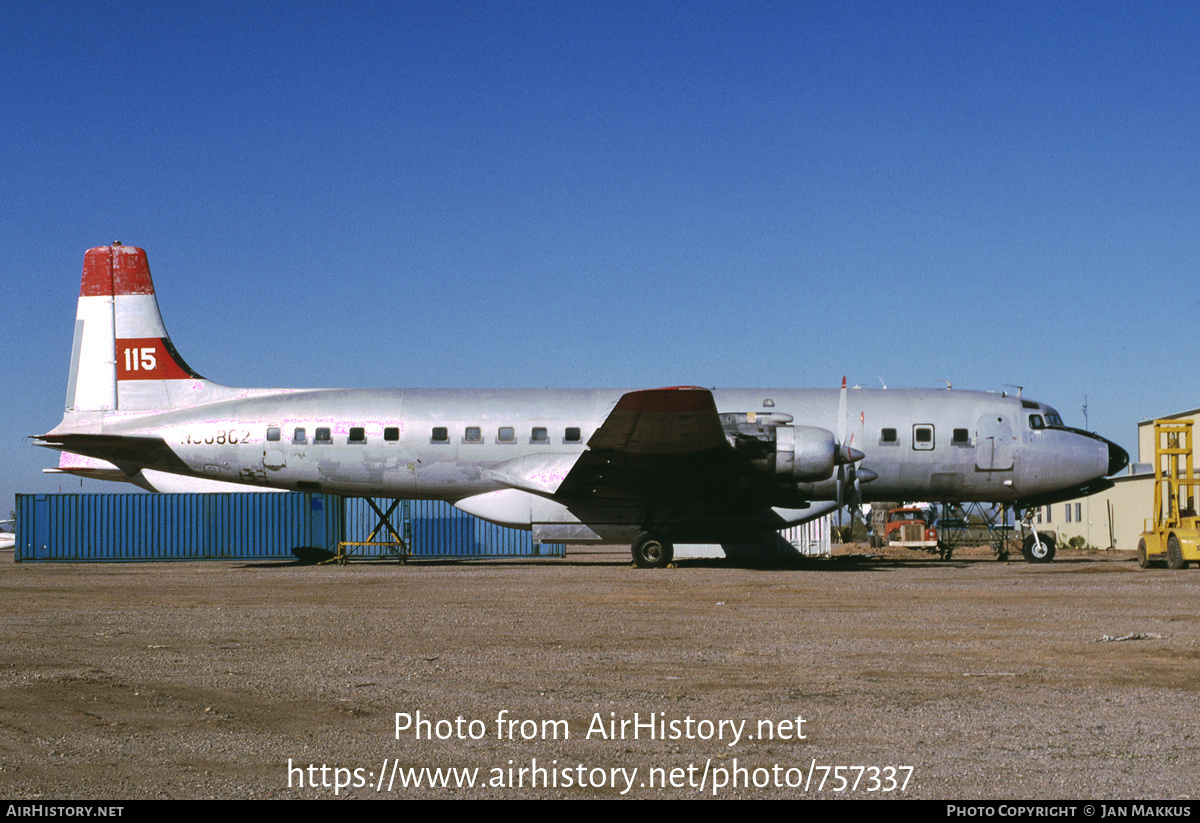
column 434, row 528
column 97, row 527
column 250, row 525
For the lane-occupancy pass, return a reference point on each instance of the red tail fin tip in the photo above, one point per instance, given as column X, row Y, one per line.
column 115, row 270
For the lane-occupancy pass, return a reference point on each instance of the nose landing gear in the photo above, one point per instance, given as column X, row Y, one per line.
column 1038, row 547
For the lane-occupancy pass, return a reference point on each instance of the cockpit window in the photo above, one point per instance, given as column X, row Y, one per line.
column 1052, row 420
column 1036, row 422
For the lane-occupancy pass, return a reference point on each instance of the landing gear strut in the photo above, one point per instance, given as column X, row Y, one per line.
column 1038, row 547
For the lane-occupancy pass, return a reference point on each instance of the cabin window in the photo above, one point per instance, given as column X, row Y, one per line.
column 1028, row 404
column 922, row 437
column 473, row 434
column 357, row 435
column 506, row 434
column 440, row 435
column 539, row 435
column 961, row 437
column 272, row 433
column 1036, row 422
column 299, row 436
column 322, row 435
column 572, row 435
column 887, row 437
column 391, row 434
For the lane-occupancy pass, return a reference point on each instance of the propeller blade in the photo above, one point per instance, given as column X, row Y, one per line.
column 841, row 421
column 841, row 444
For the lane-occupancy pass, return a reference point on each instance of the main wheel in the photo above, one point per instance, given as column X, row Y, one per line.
column 1036, row 552
column 1174, row 554
column 651, row 552
column 1143, row 555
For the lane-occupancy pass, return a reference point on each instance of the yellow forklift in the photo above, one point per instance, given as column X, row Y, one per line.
column 1174, row 534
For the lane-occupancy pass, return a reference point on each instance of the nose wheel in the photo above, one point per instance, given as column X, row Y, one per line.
column 1038, row 548
column 651, row 551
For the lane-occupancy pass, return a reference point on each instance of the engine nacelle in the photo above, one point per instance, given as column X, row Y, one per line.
column 810, row 454
column 802, row 454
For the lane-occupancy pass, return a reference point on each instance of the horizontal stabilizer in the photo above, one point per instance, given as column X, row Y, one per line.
column 128, row 453
column 90, row 467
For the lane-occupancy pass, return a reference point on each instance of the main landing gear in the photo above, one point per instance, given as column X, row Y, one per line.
column 651, row 551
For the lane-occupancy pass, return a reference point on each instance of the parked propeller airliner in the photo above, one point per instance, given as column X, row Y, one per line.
column 648, row 466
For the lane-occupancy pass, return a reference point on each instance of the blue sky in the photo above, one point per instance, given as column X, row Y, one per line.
column 641, row 194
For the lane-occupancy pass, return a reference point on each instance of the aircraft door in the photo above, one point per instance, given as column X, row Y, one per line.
column 993, row 443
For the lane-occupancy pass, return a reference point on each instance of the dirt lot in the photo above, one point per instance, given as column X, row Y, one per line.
column 963, row 679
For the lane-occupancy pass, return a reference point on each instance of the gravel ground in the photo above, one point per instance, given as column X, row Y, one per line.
column 965, row 679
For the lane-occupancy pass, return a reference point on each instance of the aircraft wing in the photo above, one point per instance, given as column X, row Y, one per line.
column 677, row 420
column 649, row 438
column 655, row 443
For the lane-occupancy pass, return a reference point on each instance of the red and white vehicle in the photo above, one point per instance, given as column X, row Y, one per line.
column 911, row 527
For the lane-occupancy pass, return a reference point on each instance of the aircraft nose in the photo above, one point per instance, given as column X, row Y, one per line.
column 1118, row 458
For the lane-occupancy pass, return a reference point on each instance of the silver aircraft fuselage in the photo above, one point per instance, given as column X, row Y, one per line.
column 574, row 465
column 1001, row 458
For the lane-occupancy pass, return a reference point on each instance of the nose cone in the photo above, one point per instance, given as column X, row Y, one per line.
column 1118, row 458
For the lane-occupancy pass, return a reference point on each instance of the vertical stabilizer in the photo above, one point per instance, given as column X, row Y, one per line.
column 122, row 357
